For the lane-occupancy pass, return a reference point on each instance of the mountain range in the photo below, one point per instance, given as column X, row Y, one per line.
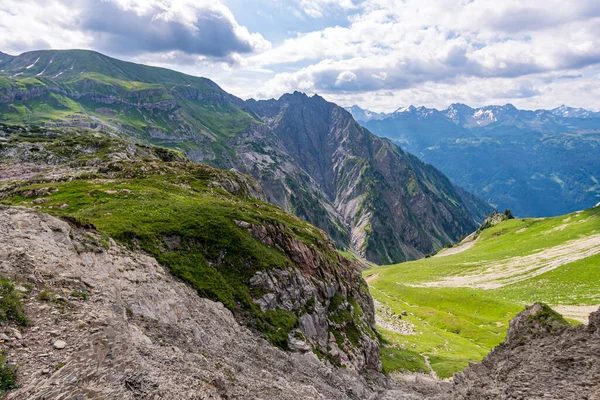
column 309, row 155
column 537, row 163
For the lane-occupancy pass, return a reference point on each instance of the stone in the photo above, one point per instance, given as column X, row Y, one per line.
column 60, row 344
column 16, row 334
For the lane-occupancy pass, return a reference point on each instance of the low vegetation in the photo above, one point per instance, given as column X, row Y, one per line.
column 460, row 304
column 8, row 374
column 11, row 303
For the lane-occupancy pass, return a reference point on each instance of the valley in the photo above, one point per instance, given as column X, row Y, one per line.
column 458, row 302
column 511, row 158
column 309, row 155
column 268, row 211
column 299, row 200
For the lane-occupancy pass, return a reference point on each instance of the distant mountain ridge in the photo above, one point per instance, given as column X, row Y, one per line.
column 310, row 156
column 538, row 163
column 461, row 113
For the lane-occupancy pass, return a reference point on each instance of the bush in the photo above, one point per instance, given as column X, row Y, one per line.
column 509, row 214
column 8, row 374
column 45, row 295
column 80, row 294
column 11, row 304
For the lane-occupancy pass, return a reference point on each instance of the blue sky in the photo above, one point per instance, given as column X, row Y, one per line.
column 379, row 54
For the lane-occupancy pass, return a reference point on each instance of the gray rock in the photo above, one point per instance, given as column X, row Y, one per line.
column 16, row 334
column 59, row 344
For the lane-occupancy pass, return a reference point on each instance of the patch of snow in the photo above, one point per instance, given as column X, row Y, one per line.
column 41, row 72
column 17, row 74
column 35, row 62
column 59, row 74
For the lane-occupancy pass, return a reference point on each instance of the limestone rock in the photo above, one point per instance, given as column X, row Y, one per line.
column 542, row 357
column 59, row 344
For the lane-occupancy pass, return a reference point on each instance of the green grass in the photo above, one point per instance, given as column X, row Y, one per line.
column 458, row 325
column 11, row 303
column 8, row 374
column 136, row 94
column 177, row 213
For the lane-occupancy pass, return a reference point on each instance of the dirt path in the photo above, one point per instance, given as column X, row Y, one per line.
column 371, row 277
column 498, row 273
column 428, row 364
column 463, row 246
column 578, row 313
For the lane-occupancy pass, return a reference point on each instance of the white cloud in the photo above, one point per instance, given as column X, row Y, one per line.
column 442, row 43
column 317, row 8
column 389, row 53
column 183, row 30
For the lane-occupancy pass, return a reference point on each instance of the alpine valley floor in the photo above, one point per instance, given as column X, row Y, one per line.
column 437, row 314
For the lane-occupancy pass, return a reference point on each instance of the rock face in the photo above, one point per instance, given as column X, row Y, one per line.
column 142, row 334
column 542, row 357
column 393, row 206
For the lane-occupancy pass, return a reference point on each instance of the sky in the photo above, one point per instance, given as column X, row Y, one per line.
column 378, row 54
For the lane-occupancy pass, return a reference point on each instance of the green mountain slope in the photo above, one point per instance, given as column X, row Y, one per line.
column 309, row 155
column 87, row 89
column 459, row 302
column 208, row 227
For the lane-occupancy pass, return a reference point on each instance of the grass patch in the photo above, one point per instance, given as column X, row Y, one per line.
column 455, row 326
column 11, row 303
column 80, row 294
column 8, row 374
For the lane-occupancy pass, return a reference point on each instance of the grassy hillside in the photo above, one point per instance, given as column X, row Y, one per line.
column 458, row 304
column 198, row 221
column 80, row 88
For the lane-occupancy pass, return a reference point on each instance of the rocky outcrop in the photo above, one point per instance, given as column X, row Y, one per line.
column 281, row 276
column 139, row 333
column 393, row 207
column 542, row 357
column 335, row 311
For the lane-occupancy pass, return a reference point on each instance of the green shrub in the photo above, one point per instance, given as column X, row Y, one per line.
column 276, row 324
column 8, row 374
column 45, row 295
column 11, row 304
column 80, row 294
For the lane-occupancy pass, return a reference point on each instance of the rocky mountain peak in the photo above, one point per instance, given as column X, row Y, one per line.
column 361, row 178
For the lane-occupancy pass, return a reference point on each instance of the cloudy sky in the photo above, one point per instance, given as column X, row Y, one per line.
column 379, row 54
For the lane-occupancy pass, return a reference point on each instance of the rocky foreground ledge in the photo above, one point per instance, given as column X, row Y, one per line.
column 542, row 358
column 140, row 333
